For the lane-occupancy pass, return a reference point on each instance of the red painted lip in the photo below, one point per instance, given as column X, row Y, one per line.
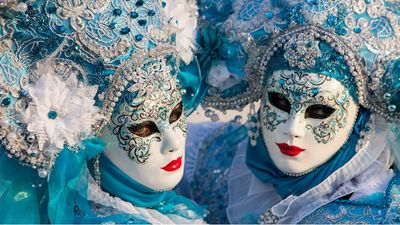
column 173, row 165
column 290, row 150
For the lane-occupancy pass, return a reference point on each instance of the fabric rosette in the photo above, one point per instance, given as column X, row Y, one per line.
column 61, row 112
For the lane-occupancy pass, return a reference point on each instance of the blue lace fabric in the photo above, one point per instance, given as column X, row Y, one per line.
column 209, row 187
column 39, row 32
column 378, row 208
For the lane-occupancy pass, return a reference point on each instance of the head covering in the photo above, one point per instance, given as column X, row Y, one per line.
column 58, row 79
column 355, row 42
column 360, row 35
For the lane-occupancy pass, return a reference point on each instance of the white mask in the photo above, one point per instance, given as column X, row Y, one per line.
column 147, row 138
column 306, row 118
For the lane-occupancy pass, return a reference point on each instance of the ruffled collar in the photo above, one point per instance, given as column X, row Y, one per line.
column 370, row 162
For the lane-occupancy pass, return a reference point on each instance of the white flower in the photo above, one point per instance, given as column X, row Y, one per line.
column 182, row 20
column 220, row 77
column 61, row 111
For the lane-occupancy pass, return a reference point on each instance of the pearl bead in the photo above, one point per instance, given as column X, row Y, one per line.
column 11, row 137
column 4, row 123
column 22, row 7
column 42, row 173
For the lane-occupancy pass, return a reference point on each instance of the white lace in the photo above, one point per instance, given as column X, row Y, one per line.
column 367, row 172
column 152, row 216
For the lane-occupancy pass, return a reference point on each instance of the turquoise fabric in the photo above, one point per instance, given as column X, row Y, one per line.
column 23, row 197
column 261, row 165
column 118, row 184
column 86, row 212
column 68, row 186
column 193, row 82
column 67, row 175
column 215, row 47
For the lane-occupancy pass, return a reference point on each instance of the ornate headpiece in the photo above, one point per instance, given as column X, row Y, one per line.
column 64, row 65
column 364, row 36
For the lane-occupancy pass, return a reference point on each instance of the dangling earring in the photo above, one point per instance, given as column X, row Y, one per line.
column 252, row 125
column 96, row 166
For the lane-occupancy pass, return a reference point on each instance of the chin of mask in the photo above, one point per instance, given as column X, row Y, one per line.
column 147, row 138
column 306, row 118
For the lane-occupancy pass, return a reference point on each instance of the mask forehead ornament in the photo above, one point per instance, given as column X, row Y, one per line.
column 364, row 33
column 302, row 50
column 148, row 92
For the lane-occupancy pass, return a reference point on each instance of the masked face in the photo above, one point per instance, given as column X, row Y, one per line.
column 306, row 118
column 148, row 138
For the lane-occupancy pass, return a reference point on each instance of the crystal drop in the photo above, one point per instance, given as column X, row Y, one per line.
column 238, row 119
column 392, row 108
column 214, row 117
column 387, row 96
column 208, row 112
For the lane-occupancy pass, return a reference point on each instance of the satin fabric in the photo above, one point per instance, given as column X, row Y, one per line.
column 23, row 194
column 118, row 184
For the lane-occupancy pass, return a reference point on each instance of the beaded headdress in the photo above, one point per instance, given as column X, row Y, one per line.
column 364, row 34
column 65, row 63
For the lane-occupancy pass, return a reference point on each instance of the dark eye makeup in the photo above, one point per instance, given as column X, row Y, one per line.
column 148, row 128
column 144, row 129
column 176, row 113
column 279, row 101
column 319, row 111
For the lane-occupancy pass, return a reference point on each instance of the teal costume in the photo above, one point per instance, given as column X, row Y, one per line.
column 353, row 42
column 58, row 88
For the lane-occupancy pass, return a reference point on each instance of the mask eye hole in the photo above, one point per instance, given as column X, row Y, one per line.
column 144, row 129
column 279, row 101
column 176, row 113
column 319, row 111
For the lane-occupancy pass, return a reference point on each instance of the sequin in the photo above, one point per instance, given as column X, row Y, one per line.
column 151, row 12
column 142, row 22
column 138, row 37
column 52, row 115
column 139, row 3
column 117, row 12
column 269, row 15
column 125, row 30
column 6, row 102
column 134, row 15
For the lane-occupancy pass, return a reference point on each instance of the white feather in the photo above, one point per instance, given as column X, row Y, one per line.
column 181, row 17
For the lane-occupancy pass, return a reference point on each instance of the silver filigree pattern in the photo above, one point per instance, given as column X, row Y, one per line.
column 302, row 50
column 145, row 89
column 268, row 218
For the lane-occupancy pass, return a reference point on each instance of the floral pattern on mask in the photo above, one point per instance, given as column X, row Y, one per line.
column 151, row 97
column 139, row 148
column 155, row 107
column 326, row 130
column 181, row 125
column 302, row 91
column 272, row 119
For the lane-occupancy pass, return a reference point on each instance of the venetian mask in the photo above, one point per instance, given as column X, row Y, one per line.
column 306, row 118
column 147, row 136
